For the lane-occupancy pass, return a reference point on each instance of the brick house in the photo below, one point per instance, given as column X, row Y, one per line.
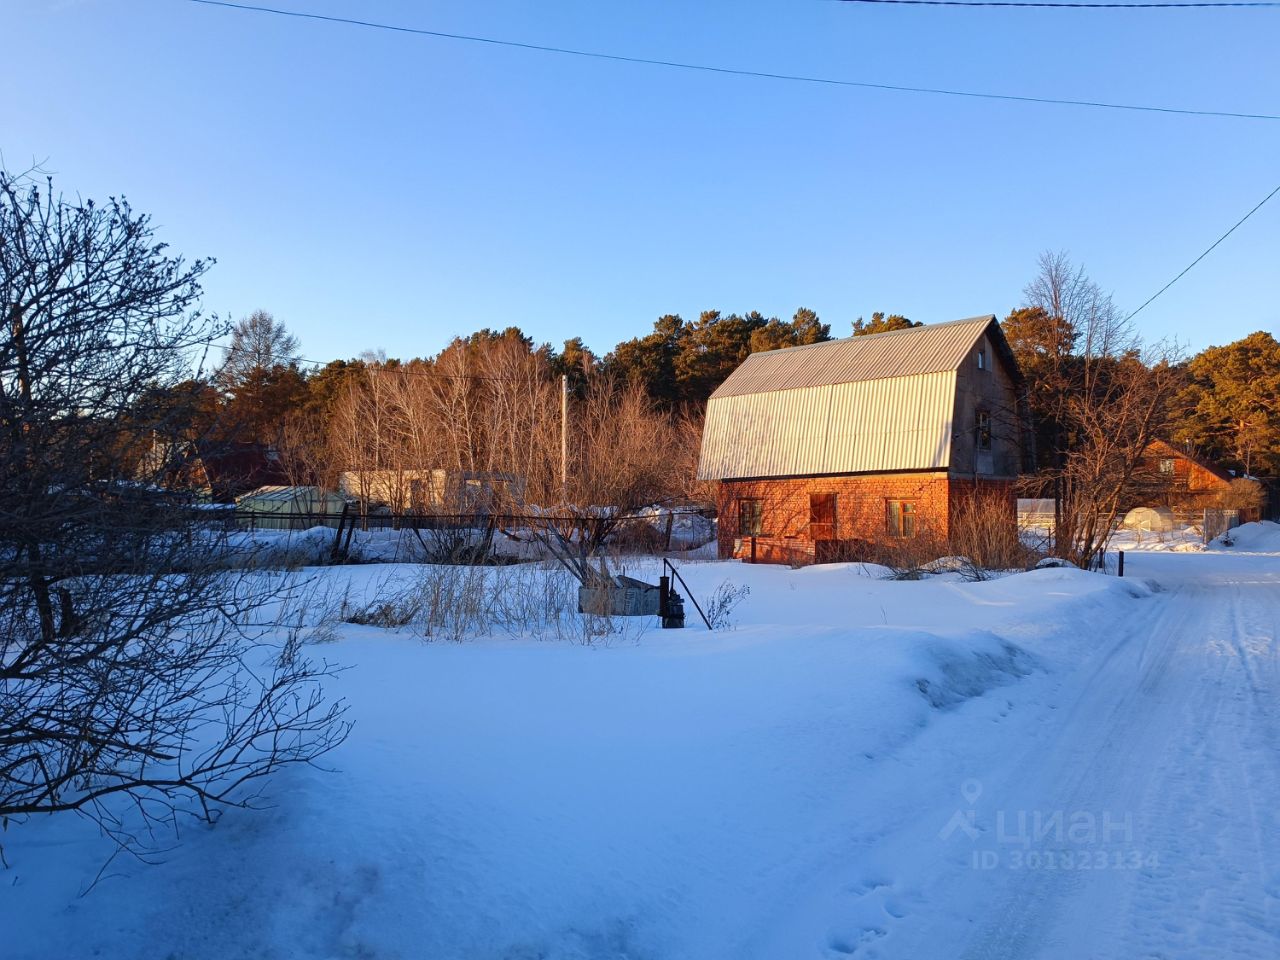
column 823, row 451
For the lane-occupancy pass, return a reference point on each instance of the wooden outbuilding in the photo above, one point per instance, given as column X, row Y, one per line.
column 823, row 451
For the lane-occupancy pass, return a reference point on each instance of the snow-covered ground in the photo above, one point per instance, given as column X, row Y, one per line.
column 1050, row 764
column 1259, row 537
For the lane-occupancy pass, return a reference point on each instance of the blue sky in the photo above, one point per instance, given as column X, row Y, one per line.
column 376, row 190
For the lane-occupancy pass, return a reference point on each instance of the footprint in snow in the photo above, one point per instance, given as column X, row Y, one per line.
column 868, row 917
column 847, row 945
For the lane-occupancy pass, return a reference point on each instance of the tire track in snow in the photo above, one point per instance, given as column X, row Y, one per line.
column 1075, row 774
column 1189, row 752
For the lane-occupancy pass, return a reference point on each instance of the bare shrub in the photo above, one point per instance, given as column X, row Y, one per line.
column 135, row 686
column 982, row 538
column 1244, row 493
column 450, row 544
column 537, row 601
column 386, row 612
column 983, row 530
column 284, row 550
column 451, row 601
column 908, row 558
column 637, row 536
column 722, row 603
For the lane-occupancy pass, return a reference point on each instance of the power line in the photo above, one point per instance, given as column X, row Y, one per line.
column 1195, row 4
column 730, row 71
column 1205, row 254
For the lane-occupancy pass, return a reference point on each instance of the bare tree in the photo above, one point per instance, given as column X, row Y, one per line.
column 623, row 458
column 128, row 677
column 1105, row 394
column 479, row 427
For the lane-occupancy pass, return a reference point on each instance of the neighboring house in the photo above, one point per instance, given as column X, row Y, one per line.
column 821, row 450
column 435, row 491
column 233, row 469
column 219, row 471
column 1181, row 481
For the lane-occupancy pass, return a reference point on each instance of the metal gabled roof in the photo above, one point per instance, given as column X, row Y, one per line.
column 284, row 494
column 885, row 425
column 933, row 348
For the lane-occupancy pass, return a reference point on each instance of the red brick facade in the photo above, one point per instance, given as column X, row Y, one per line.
column 793, row 526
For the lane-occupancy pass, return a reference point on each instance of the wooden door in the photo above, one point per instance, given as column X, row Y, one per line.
column 822, row 516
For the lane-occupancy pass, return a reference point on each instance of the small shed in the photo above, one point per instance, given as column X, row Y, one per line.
column 433, row 491
column 289, row 508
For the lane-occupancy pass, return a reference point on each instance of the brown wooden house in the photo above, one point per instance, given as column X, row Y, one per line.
column 825, row 449
column 1182, row 481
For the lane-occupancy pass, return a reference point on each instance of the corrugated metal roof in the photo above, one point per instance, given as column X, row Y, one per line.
column 286, row 494
column 897, row 423
column 933, row 348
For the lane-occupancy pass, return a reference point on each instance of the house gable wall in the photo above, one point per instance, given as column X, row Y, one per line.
column 989, row 388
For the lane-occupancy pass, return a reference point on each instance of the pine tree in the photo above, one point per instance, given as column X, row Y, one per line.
column 1231, row 409
column 881, row 324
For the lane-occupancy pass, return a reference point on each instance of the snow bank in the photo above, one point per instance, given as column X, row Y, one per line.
column 1262, row 536
column 1257, row 537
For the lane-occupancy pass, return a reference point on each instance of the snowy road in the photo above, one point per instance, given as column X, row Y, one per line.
column 1175, row 736
column 1131, row 814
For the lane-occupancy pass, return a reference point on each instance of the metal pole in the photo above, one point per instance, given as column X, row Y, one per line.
column 564, row 437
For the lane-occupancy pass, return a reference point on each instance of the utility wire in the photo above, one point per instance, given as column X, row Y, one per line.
column 1205, row 254
column 730, row 71
column 1195, row 4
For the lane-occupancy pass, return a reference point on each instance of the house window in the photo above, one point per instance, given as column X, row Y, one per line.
column 982, row 359
column 982, row 429
column 900, row 518
column 750, row 517
column 1167, row 468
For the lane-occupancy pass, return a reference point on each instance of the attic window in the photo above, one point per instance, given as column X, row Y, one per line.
column 982, row 429
column 1167, row 467
column 982, row 359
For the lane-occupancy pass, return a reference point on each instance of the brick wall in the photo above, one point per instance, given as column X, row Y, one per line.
column 861, row 509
